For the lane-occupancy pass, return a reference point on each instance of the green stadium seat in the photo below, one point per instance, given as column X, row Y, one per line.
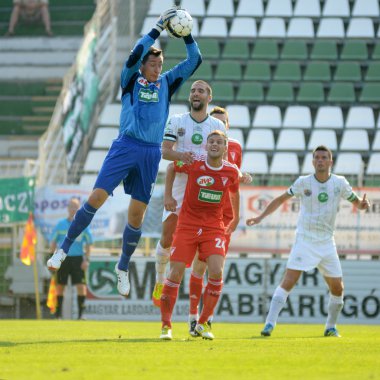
column 373, row 72
column 238, row 49
column 228, row 70
column 204, row 72
column 265, row 49
column 294, row 49
column 354, row 50
column 169, row 64
column 341, row 92
column 257, row 71
column 184, row 92
column 288, row 71
column 348, row 71
column 317, row 71
column 209, row 48
column 222, row 92
column 280, row 92
column 324, row 49
column 311, row 92
column 376, row 51
column 174, row 49
column 370, row 93
column 250, row 92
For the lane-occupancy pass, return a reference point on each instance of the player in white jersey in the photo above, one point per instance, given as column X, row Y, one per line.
column 314, row 246
column 185, row 135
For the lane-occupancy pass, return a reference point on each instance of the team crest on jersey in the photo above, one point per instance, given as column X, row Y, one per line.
column 307, row 192
column 143, row 82
column 205, row 181
column 323, row 197
column 197, row 139
column 202, row 167
column 224, row 180
column 181, row 132
column 233, row 155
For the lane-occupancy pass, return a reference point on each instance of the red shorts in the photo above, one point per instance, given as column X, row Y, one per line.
column 187, row 241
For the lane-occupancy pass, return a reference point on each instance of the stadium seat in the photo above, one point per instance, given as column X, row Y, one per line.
column 310, row 8
column 376, row 51
column 214, row 27
column 294, row 49
column 301, row 27
column 214, row 8
column 257, row 71
column 376, row 142
column 311, row 92
column 222, row 92
column 175, row 109
column 360, row 27
column 252, row 8
column 288, row 71
column 354, row 140
column 324, row 50
column 157, row 6
column 373, row 167
column 148, row 24
column 87, row 181
column 266, row 49
column 184, row 92
column 209, row 47
column 203, row 72
column 260, row 139
column 353, row 49
column 369, row 8
column 255, row 163
column 280, row 92
column 243, row 27
column 329, row 117
column 373, row 72
column 110, row 115
column 341, row 92
column 297, row 117
column 272, row 27
column 267, row 116
column 250, row 92
column 348, row 71
column 318, row 71
column 194, row 7
column 338, row 8
column 370, row 93
column 94, row 160
column 228, row 70
column 307, row 165
column 237, row 48
column 238, row 116
column 323, row 137
column 284, row 163
column 360, row 117
column 236, row 134
column 348, row 163
column 169, row 64
column 281, row 8
column 331, row 28
column 291, row 139
column 104, row 137
column 174, row 49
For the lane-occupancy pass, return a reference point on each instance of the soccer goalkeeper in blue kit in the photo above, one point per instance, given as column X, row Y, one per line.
column 135, row 155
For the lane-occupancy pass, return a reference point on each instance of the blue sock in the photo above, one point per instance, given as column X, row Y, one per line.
column 131, row 237
column 81, row 220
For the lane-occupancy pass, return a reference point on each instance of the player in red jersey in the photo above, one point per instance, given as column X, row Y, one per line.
column 200, row 227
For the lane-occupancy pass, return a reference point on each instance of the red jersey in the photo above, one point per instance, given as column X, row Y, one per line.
column 206, row 191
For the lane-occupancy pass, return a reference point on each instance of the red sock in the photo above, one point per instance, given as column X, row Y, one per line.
column 195, row 292
column 210, row 299
column 168, row 299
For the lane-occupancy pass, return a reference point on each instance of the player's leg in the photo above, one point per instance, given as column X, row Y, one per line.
column 14, row 19
column 163, row 255
column 62, row 278
column 78, row 277
column 45, row 15
column 335, row 304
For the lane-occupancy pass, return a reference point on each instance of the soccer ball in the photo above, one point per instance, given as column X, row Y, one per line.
column 180, row 25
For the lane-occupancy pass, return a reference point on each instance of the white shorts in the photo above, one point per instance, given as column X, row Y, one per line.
column 306, row 256
column 178, row 192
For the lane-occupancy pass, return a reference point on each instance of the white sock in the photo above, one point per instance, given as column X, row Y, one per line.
column 279, row 298
column 162, row 258
column 334, row 307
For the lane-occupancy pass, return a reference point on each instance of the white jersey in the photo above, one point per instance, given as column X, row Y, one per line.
column 319, row 205
column 188, row 136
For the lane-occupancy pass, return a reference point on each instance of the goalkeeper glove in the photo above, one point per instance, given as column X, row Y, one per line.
column 164, row 18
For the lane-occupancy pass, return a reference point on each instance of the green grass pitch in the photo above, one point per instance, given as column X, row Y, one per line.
column 131, row 350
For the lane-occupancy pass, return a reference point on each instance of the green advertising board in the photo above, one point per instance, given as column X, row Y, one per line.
column 16, row 199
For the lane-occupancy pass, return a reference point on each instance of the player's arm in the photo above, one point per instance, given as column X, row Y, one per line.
column 272, row 206
column 235, row 204
column 361, row 203
column 169, row 153
column 170, row 203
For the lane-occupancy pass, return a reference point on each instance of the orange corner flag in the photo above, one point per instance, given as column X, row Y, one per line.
column 28, row 250
column 51, row 301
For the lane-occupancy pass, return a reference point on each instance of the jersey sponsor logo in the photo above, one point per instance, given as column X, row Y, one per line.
column 323, row 197
column 210, row 196
column 143, row 82
column 197, row 139
column 224, row 180
column 205, row 181
column 307, row 192
column 181, row 132
column 179, row 164
column 146, row 95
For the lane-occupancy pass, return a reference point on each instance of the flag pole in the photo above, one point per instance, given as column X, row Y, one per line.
column 37, row 293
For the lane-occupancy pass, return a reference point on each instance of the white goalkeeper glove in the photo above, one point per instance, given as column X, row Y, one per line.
column 164, row 18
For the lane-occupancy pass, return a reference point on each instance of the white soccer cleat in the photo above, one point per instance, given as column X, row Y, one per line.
column 123, row 286
column 204, row 330
column 166, row 333
column 54, row 263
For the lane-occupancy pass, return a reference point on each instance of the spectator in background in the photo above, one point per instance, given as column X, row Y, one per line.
column 30, row 11
column 76, row 262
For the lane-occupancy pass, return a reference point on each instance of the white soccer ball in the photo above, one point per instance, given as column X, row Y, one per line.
column 180, row 25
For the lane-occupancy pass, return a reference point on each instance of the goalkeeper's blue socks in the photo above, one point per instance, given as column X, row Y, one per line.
column 131, row 237
column 81, row 221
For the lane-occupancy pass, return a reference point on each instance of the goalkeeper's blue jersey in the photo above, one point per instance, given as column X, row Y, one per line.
column 145, row 105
